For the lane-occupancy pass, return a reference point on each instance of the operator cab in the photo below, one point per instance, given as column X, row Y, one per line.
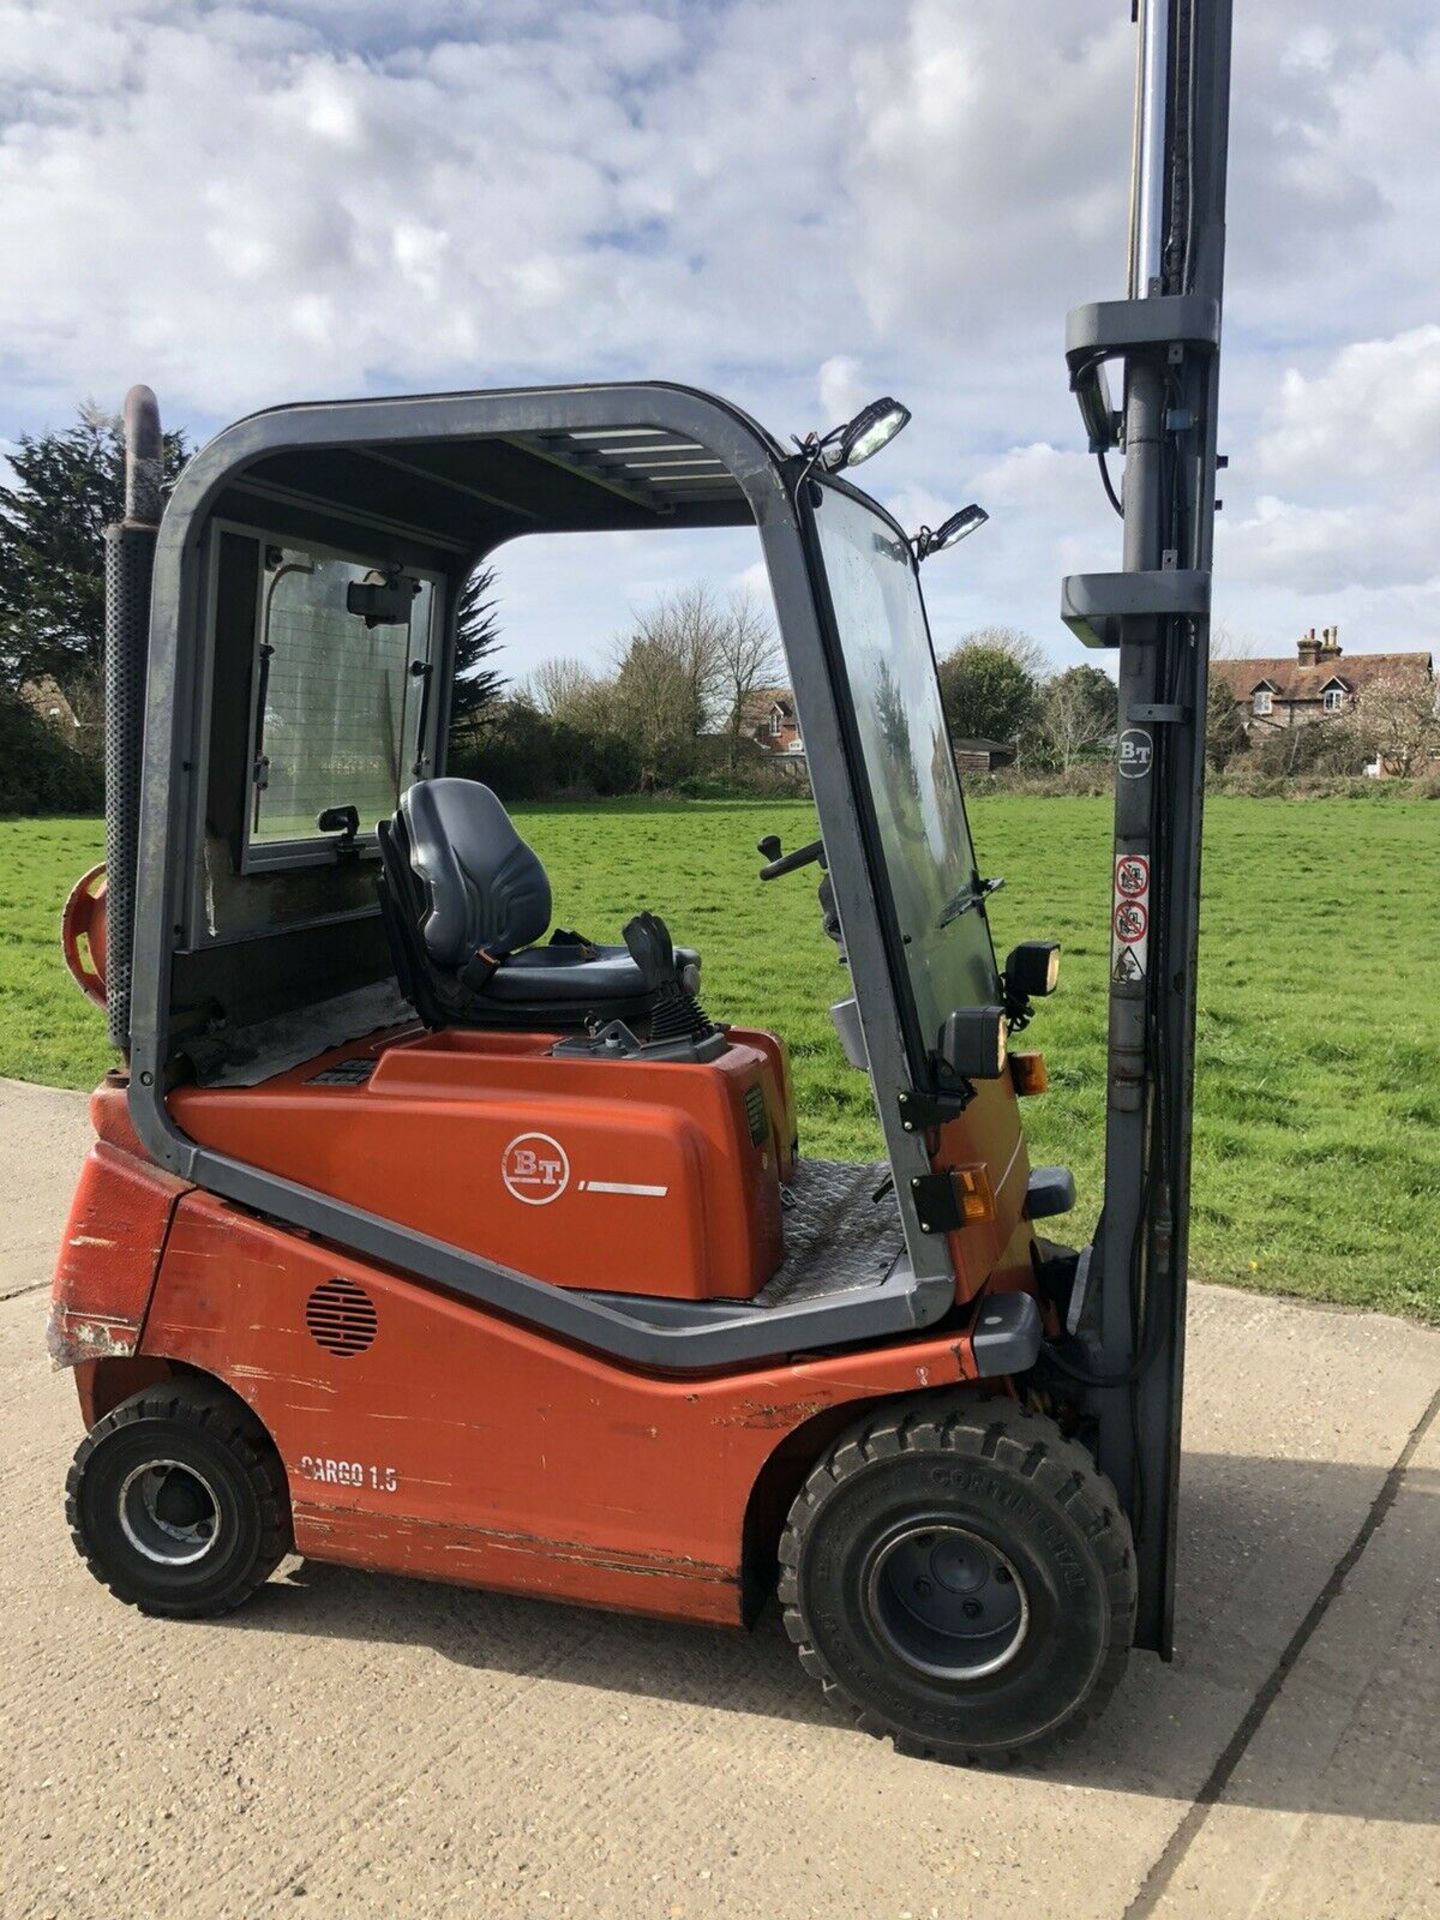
column 348, row 1007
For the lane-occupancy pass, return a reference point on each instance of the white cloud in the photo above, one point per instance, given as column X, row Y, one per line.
column 782, row 198
column 840, row 390
column 1373, row 411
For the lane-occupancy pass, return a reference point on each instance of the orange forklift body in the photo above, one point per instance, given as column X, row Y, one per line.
column 420, row 1435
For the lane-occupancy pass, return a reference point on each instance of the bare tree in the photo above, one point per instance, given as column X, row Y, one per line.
column 749, row 660
column 684, row 668
column 1396, row 721
column 683, row 629
column 1021, row 647
column 1225, row 734
column 1227, row 644
column 560, row 687
column 1078, row 709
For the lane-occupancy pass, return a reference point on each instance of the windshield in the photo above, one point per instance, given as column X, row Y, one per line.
column 908, row 763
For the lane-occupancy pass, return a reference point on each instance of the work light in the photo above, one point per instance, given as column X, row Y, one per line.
column 872, row 428
column 950, row 532
column 1032, row 970
column 974, row 1042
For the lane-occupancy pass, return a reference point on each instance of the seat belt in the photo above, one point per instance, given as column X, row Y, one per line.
column 479, row 970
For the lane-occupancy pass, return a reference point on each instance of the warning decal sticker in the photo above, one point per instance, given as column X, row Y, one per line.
column 1130, row 920
column 1132, row 876
column 1128, row 969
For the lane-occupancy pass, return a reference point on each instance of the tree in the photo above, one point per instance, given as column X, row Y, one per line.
column 989, row 684
column 749, row 658
column 664, row 709
column 68, row 488
column 670, row 679
column 1395, row 721
column 477, row 634
column 1022, row 647
column 563, row 687
column 39, row 772
column 1078, row 709
column 1225, row 734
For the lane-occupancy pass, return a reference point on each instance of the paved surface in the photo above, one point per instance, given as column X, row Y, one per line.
column 357, row 1745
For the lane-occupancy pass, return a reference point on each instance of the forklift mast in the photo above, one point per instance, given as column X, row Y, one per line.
column 1156, row 614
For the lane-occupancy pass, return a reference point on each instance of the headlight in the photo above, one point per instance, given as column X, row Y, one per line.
column 974, row 1042
column 1032, row 971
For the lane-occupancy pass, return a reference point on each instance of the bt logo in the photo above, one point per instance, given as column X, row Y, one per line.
column 535, row 1169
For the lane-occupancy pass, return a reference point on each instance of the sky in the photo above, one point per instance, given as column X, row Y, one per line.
column 798, row 203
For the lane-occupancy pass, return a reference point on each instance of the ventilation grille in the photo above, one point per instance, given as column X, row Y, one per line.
column 756, row 1115
column 341, row 1316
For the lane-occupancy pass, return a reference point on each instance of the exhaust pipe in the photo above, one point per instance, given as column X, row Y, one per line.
column 129, row 567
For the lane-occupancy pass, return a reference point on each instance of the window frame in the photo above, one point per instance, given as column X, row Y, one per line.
column 1265, row 695
column 1332, row 699
column 317, row 849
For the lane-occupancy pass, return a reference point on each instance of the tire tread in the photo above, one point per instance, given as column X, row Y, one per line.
column 212, row 1409
column 1060, row 1468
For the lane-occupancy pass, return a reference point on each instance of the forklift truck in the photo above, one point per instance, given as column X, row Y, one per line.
column 416, row 1241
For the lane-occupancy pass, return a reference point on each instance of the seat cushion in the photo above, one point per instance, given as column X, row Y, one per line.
column 550, row 976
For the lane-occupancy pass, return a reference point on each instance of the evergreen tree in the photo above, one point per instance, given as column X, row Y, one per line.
column 68, row 487
column 477, row 634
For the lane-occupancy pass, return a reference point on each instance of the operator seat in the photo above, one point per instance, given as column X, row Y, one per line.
column 464, row 898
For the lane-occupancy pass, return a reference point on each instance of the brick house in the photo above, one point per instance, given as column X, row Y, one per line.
column 768, row 717
column 1316, row 684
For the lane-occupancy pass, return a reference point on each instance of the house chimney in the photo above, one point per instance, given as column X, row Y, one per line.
column 1309, row 648
column 1330, row 645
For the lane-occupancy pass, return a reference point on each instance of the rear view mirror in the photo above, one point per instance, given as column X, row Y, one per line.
column 973, row 1043
column 382, row 599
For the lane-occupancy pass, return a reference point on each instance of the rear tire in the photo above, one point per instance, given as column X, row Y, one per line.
column 961, row 1578
column 178, row 1503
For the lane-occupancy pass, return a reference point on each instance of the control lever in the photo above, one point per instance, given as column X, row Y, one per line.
column 778, row 863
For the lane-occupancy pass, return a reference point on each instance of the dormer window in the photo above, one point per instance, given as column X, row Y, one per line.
column 1264, row 700
column 1334, row 699
column 777, row 723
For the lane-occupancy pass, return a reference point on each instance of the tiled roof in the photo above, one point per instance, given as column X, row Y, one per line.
column 1291, row 681
column 757, row 705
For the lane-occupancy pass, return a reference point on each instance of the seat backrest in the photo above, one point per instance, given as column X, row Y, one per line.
column 485, row 889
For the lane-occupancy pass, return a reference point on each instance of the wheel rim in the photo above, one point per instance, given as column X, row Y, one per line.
column 169, row 1512
column 946, row 1601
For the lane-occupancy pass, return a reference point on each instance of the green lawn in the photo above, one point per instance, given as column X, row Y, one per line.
column 1317, row 1134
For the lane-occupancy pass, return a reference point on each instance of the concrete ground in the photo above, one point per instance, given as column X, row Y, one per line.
column 354, row 1745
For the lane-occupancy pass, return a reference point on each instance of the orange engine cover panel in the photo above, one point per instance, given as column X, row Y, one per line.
column 451, row 1443
column 654, row 1177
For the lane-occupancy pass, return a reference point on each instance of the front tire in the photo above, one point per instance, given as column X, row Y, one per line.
column 961, row 1577
column 178, row 1503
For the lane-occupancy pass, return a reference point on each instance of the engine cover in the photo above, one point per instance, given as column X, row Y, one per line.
column 624, row 1176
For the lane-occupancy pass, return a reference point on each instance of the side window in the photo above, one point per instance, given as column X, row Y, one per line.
column 340, row 691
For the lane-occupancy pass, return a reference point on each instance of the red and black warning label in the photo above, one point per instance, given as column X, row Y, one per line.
column 1130, row 920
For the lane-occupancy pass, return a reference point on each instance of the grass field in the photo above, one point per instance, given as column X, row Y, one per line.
column 1317, row 1134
